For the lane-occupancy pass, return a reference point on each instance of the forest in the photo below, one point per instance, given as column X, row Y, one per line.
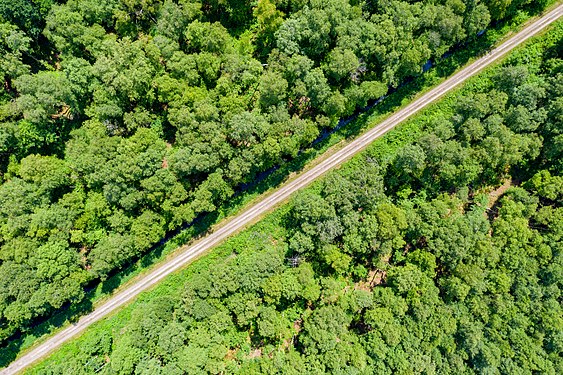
column 122, row 120
column 440, row 252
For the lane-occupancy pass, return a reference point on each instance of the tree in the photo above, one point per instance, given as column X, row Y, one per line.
column 49, row 173
column 273, row 89
column 269, row 20
column 247, row 128
column 124, row 72
column 174, row 17
column 13, row 45
column 324, row 329
column 71, row 33
column 475, row 18
column 317, row 86
column 341, row 64
column 26, row 15
column 498, row 8
column 271, row 325
column 110, row 252
column 207, row 37
column 411, row 161
column 43, row 96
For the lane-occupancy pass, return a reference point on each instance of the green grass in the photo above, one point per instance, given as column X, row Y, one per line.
column 383, row 147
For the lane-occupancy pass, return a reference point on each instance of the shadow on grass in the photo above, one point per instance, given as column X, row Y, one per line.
column 71, row 312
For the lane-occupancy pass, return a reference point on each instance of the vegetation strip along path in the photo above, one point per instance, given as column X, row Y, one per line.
column 268, row 203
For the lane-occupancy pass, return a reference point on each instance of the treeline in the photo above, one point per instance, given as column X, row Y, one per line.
column 122, row 120
column 396, row 264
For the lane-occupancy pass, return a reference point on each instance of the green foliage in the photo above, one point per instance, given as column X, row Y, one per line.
column 392, row 264
column 14, row 44
column 121, row 121
column 28, row 16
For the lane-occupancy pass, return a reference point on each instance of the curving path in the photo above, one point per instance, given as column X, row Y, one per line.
column 250, row 215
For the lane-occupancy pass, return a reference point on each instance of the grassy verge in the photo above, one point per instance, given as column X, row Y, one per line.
column 384, row 146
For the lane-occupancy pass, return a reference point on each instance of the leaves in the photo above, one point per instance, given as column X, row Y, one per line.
column 123, row 120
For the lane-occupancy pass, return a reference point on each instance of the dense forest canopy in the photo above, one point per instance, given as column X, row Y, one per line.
column 408, row 262
column 121, row 120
